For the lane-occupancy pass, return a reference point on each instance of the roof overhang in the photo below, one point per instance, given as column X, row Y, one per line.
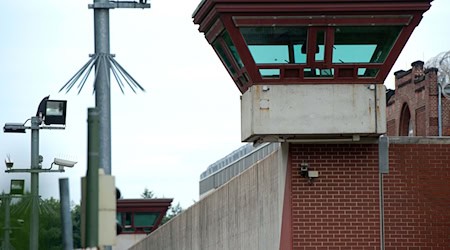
column 217, row 17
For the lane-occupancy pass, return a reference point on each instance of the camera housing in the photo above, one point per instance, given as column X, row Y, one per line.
column 64, row 163
column 304, row 170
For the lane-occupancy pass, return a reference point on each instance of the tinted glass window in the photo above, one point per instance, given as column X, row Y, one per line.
column 270, row 73
column 278, row 45
column 218, row 47
column 270, row 53
column 232, row 48
column 145, row 219
column 364, row 44
column 320, row 44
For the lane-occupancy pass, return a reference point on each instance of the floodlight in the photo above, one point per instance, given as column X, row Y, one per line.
column 52, row 111
column 55, row 112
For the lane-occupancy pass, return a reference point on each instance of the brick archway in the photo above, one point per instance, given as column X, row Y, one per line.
column 405, row 125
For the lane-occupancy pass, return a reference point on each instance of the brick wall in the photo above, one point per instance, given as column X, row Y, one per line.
column 417, row 196
column 391, row 127
column 418, row 88
column 340, row 209
column 421, row 122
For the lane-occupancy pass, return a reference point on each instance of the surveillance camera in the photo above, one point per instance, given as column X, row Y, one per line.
column 9, row 164
column 304, row 169
column 64, row 163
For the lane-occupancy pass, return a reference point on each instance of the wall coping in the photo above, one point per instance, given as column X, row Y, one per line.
column 419, row 140
column 392, row 140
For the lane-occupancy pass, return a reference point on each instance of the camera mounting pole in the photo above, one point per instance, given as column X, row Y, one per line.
column 34, row 232
column 36, row 168
column 50, row 112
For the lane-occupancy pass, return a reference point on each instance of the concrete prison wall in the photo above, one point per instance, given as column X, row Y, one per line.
column 245, row 214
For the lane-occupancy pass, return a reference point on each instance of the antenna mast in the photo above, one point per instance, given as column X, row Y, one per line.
column 104, row 63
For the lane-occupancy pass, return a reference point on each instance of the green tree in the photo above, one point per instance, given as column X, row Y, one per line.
column 173, row 211
column 50, row 236
column 19, row 222
column 50, row 227
column 76, row 223
column 49, row 223
column 147, row 194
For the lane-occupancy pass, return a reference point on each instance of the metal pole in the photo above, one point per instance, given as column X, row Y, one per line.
column 6, row 228
column 66, row 218
column 439, row 109
column 102, row 84
column 383, row 168
column 34, row 217
column 92, row 178
column 381, row 197
column 102, row 88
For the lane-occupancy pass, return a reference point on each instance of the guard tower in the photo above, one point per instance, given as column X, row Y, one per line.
column 309, row 70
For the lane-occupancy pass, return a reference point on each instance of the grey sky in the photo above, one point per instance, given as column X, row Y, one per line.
column 188, row 118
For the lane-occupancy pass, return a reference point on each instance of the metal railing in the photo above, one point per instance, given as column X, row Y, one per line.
column 213, row 179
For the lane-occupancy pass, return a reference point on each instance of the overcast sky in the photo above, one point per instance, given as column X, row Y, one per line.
column 162, row 139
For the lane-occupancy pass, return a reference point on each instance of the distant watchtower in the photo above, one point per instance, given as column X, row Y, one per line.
column 309, row 70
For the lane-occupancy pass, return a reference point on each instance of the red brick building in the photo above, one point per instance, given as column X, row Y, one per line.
column 412, row 108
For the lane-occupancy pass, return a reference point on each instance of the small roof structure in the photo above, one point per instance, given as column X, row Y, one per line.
column 141, row 216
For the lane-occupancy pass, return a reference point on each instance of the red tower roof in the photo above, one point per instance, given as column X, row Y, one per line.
column 141, row 216
column 308, row 42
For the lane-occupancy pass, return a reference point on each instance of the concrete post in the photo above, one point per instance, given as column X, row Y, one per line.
column 66, row 218
column 92, row 186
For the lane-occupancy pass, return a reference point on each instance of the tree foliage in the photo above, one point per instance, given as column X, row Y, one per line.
column 49, row 223
column 50, row 236
column 19, row 222
column 173, row 210
column 50, row 227
column 76, row 221
column 147, row 194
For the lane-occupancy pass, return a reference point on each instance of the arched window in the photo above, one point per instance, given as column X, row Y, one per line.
column 406, row 125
